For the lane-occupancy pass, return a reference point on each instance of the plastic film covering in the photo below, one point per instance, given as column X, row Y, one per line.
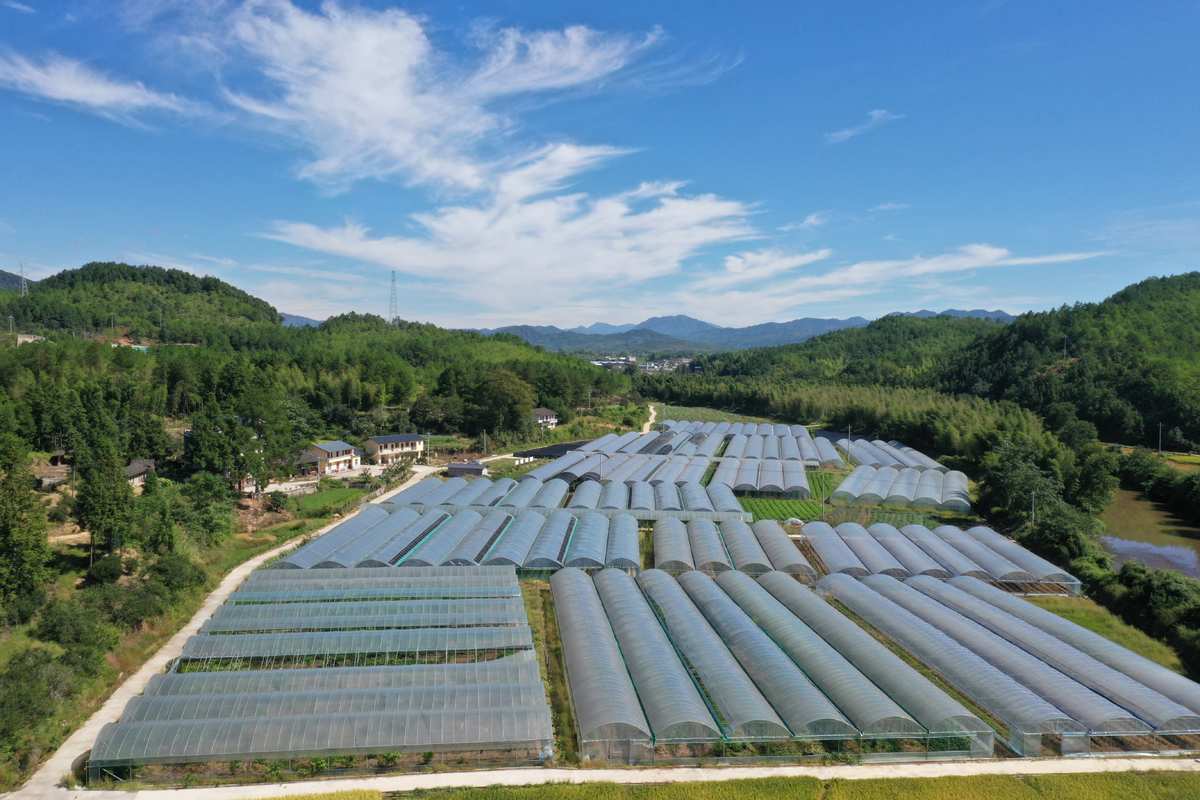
column 589, row 543
column 587, row 495
column 637, row 444
column 666, row 497
column 414, row 493
column 789, row 448
column 615, row 496
column 937, row 549
column 904, row 489
column 414, row 641
column 358, row 549
column 782, row 551
column 744, row 550
column 641, row 496
column 522, row 496
column 740, row 709
column 622, row 472
column 1164, row 714
column 647, row 466
column 602, row 470
column 747, row 475
column 694, row 471
column 363, row 615
column 754, row 446
column 868, row 708
column 795, row 481
column 833, row 551
column 520, row 668
column 581, row 468
column 808, row 450
column 437, row 548
column 722, row 497
column 710, row 445
column 996, row 565
column 1166, row 682
column 602, row 694
column 496, row 492
column 391, row 549
column 694, row 497
column 550, row 495
column 859, row 452
column 707, row 549
column 1081, row 703
column 879, row 486
column 770, row 477
column 736, row 447
column 1035, row 565
column 623, row 551
column 513, row 547
column 338, row 536
column 771, row 447
column 726, row 473
column 899, row 458
column 672, row 551
column 922, row 460
column 545, row 472
column 475, row 545
column 597, row 444
column 848, row 490
column 874, row 556
column 913, row 558
column 935, row 710
column 955, row 496
column 550, row 547
column 670, row 471
column 928, row 495
column 828, row 453
column 1016, row 706
column 469, row 493
column 800, row 704
column 669, row 697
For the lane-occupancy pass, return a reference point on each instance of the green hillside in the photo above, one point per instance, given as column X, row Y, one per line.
column 894, row 350
column 1125, row 364
column 147, row 302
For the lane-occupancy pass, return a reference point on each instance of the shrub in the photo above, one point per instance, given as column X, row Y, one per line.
column 82, row 632
column 106, row 570
column 276, row 501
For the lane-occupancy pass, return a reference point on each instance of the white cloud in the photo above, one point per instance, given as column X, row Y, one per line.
column 64, row 80
column 890, row 207
column 370, row 96
column 753, row 267
column 813, row 220
column 875, row 118
column 21, row 8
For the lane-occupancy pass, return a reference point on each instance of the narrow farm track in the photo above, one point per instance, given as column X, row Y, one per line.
column 649, row 423
column 44, row 782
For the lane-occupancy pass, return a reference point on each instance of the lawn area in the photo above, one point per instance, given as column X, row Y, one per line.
column 328, row 501
column 353, row 794
column 1095, row 617
column 702, row 414
column 508, row 467
column 539, row 608
column 1099, row 786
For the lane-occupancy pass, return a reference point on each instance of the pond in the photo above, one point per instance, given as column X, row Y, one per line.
column 1142, row 530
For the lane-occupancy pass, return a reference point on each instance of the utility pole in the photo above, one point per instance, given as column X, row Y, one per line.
column 1159, row 434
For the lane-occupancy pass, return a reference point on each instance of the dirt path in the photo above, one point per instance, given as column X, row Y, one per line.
column 649, row 423
column 536, row 776
column 44, row 782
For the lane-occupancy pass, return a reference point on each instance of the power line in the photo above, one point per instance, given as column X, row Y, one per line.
column 394, row 302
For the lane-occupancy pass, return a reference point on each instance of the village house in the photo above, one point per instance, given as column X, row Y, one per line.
column 329, row 458
column 393, row 447
column 545, row 418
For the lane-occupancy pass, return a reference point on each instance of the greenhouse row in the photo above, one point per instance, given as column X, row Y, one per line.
column 907, row 488
column 878, row 453
column 527, row 539
column 1029, row 674
column 942, row 553
column 768, row 476
column 702, row 545
column 660, row 667
column 450, row 667
column 577, row 465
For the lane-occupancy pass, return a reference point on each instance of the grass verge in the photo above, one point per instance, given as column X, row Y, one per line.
column 539, row 608
column 1095, row 617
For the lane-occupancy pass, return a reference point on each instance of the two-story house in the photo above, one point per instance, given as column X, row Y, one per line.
column 393, row 447
column 545, row 418
column 328, row 458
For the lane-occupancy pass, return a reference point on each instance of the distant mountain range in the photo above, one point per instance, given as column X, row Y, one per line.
column 11, row 281
column 684, row 334
column 297, row 321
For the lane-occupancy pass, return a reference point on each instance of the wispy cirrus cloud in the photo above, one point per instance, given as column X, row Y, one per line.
column 20, row 8
column 59, row 79
column 875, row 118
column 890, row 207
column 814, row 220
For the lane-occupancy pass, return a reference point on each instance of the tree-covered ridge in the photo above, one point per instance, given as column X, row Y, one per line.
column 894, row 350
column 148, row 302
column 1126, row 364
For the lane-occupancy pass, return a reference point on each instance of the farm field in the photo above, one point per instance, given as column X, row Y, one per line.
column 702, row 414
column 782, row 508
column 1098, row 786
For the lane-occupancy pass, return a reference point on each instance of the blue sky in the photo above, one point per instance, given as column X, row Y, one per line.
column 566, row 162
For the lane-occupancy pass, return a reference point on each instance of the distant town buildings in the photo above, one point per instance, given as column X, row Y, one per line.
column 545, row 418
column 329, row 458
column 390, row 448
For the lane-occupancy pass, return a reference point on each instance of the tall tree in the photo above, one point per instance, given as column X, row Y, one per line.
column 24, row 552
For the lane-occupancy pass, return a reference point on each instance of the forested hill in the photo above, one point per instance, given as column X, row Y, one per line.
column 895, row 350
column 146, row 302
column 1126, row 364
